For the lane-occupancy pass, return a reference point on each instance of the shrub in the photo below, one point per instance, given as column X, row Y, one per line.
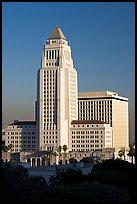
column 72, row 160
column 67, row 176
column 87, row 159
column 109, row 177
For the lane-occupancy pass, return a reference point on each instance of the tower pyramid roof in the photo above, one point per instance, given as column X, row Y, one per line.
column 57, row 34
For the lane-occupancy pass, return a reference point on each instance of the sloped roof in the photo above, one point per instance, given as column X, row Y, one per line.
column 57, row 34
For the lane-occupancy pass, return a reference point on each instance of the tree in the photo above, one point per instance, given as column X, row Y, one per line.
column 7, row 148
column 46, row 158
column 59, row 149
column 67, row 176
column 72, row 160
column 55, row 155
column 18, row 185
column 121, row 153
column 131, row 153
column 10, row 147
column 64, row 149
column 87, row 159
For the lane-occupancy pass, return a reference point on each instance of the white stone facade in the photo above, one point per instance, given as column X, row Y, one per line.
column 22, row 135
column 110, row 108
column 57, row 93
column 90, row 136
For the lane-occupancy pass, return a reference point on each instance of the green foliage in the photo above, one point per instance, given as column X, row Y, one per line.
column 121, row 152
column 117, row 165
column 6, row 148
column 64, row 148
column 85, row 191
column 60, row 161
column 72, row 160
column 18, row 186
column 59, row 150
column 131, row 152
column 67, row 176
column 109, row 181
column 121, row 167
column 109, row 176
column 55, row 154
column 87, row 159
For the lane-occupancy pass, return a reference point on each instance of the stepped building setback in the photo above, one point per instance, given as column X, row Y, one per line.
column 84, row 121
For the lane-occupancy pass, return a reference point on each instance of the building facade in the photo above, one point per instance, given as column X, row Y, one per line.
column 90, row 135
column 110, row 108
column 22, row 135
column 57, row 93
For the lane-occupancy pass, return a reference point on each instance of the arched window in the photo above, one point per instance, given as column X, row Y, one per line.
column 38, row 162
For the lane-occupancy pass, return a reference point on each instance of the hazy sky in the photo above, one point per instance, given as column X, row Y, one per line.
column 102, row 39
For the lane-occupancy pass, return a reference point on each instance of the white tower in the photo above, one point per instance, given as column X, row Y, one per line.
column 57, row 93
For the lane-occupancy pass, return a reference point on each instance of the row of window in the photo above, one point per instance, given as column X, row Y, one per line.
column 49, row 126
column 53, row 141
column 52, row 64
column 84, row 126
column 25, row 141
column 97, row 112
column 49, row 93
column 50, row 137
column 53, row 120
column 95, row 116
column 50, row 132
column 83, row 150
column 87, row 136
column 51, row 54
column 88, row 141
column 86, row 146
column 21, row 137
column 51, row 99
column 95, row 107
column 53, row 104
column 21, row 133
column 20, row 146
column 93, row 102
column 49, row 72
column 86, row 132
column 50, row 85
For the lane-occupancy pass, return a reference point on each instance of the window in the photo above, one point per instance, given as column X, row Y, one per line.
column 49, row 54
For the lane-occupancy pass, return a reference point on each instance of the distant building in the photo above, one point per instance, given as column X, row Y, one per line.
column 108, row 107
column 90, row 135
column 6, row 156
column 22, row 135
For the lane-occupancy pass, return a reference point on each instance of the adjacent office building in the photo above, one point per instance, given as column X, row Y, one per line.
column 108, row 107
column 22, row 135
column 90, row 135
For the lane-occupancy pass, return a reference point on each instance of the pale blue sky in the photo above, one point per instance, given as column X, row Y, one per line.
column 102, row 39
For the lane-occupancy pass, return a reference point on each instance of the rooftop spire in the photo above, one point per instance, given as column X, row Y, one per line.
column 57, row 34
